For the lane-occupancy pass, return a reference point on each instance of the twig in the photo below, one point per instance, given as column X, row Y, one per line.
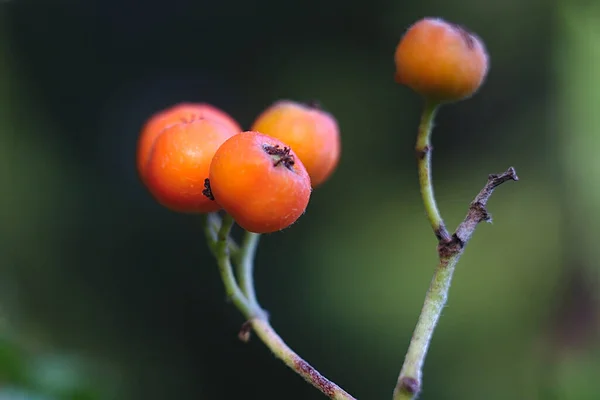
column 220, row 249
column 268, row 335
column 245, row 262
column 256, row 318
column 410, row 380
column 212, row 224
column 424, row 149
column 477, row 210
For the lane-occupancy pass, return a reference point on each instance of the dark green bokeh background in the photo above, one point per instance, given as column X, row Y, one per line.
column 106, row 294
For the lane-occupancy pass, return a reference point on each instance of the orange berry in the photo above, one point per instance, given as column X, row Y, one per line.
column 260, row 182
column 179, row 164
column 441, row 61
column 174, row 115
column 311, row 132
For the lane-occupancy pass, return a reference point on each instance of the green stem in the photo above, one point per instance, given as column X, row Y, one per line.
column 212, row 224
column 409, row 381
column 245, row 271
column 423, row 148
column 221, row 250
column 256, row 317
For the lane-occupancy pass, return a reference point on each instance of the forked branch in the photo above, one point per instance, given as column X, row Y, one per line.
column 410, row 379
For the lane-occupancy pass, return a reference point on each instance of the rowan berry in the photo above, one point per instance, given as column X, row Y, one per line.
column 312, row 133
column 179, row 164
column 260, row 182
column 441, row 61
column 182, row 112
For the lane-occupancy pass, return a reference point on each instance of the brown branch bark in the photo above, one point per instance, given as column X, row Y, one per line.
column 477, row 213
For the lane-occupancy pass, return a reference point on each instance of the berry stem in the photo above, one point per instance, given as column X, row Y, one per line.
column 409, row 381
column 212, row 224
column 245, row 263
column 282, row 351
column 423, row 148
column 221, row 250
column 245, row 301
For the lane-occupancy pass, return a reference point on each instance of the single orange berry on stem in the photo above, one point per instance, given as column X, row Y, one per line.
column 182, row 112
column 179, row 164
column 260, row 182
column 441, row 61
column 312, row 133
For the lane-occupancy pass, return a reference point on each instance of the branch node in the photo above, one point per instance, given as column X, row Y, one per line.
column 451, row 247
column 245, row 331
column 410, row 385
column 423, row 152
column 480, row 213
column 442, row 234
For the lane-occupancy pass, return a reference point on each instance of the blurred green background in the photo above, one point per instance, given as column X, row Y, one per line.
column 106, row 295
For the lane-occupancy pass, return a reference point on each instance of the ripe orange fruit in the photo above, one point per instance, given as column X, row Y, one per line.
column 441, row 61
column 311, row 132
column 174, row 115
column 179, row 164
column 260, row 182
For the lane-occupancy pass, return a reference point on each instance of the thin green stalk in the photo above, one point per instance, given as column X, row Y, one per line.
column 245, row 264
column 423, row 148
column 256, row 317
column 212, row 224
column 221, row 251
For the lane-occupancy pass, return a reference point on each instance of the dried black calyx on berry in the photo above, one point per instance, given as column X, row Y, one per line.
column 207, row 190
column 281, row 155
column 466, row 35
column 314, row 104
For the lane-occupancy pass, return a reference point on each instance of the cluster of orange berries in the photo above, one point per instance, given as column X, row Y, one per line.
column 196, row 158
